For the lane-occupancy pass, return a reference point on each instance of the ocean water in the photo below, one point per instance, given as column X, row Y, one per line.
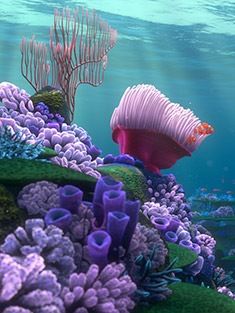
column 185, row 48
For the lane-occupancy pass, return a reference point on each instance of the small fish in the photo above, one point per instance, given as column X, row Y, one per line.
column 203, row 189
column 229, row 192
column 216, row 190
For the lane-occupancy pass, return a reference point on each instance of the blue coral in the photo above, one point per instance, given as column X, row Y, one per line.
column 15, row 145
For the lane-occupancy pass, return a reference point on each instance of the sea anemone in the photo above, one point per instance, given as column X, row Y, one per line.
column 148, row 126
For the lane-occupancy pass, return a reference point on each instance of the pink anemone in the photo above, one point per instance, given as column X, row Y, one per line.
column 149, row 127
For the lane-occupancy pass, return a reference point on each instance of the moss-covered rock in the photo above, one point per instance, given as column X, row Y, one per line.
column 20, row 172
column 133, row 179
column 183, row 255
column 189, row 298
column 54, row 99
column 47, row 153
column 11, row 216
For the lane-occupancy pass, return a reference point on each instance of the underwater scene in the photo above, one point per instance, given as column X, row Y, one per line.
column 119, row 198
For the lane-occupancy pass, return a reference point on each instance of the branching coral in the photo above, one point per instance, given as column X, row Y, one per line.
column 26, row 287
column 37, row 198
column 49, row 242
column 103, row 291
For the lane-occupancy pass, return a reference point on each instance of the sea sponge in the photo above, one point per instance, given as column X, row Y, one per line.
column 149, row 127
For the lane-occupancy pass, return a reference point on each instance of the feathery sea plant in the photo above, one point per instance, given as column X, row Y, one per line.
column 151, row 285
column 15, row 144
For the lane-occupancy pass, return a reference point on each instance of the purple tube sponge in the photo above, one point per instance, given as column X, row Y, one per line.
column 161, row 223
column 103, row 184
column 103, row 291
column 196, row 248
column 113, row 200
column 70, row 198
column 116, row 226
column 171, row 236
column 26, row 287
column 59, row 217
column 185, row 244
column 132, row 209
column 196, row 267
column 99, row 243
column 174, row 224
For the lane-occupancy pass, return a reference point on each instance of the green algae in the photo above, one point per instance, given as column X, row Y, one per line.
column 133, row 179
column 21, row 172
column 11, row 216
column 189, row 298
column 214, row 219
column 47, row 153
column 54, row 99
column 183, row 255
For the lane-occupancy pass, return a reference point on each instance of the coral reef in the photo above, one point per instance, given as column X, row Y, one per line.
column 49, row 242
column 18, row 106
column 98, row 291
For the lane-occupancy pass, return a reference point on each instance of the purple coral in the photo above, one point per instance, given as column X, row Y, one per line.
column 37, row 198
column 207, row 244
column 98, row 291
column 168, row 196
column 71, row 142
column 49, row 242
column 144, row 241
column 223, row 211
column 26, row 287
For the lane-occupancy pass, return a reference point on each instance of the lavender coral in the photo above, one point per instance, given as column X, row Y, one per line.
column 26, row 287
column 70, row 141
column 37, row 198
column 49, row 242
column 98, row 291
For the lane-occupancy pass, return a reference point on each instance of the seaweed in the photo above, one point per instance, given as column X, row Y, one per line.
column 133, row 179
column 184, row 256
column 189, row 298
column 21, row 172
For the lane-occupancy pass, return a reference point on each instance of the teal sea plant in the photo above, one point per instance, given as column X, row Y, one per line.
column 15, row 144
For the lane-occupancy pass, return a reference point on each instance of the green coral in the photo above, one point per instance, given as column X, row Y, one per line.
column 20, row 172
column 183, row 255
column 54, row 99
column 189, row 298
column 133, row 179
column 47, row 153
column 11, row 216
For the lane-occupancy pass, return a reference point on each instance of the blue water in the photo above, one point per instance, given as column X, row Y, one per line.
column 186, row 50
